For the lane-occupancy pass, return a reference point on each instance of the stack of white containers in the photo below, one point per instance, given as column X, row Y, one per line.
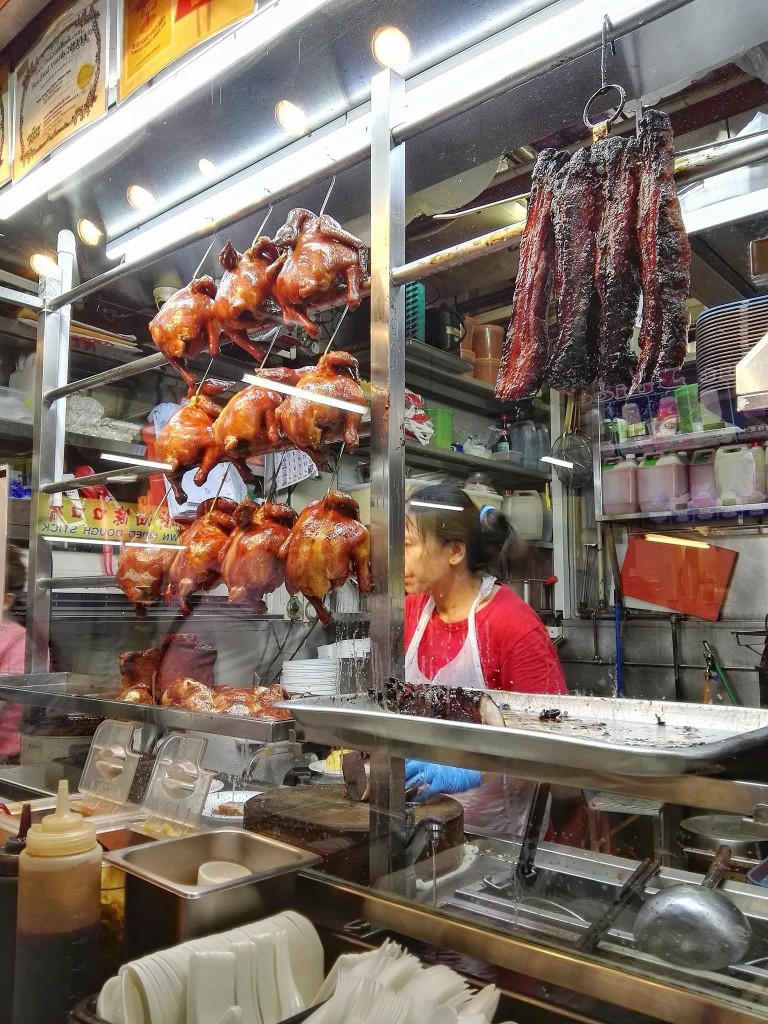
column 316, row 677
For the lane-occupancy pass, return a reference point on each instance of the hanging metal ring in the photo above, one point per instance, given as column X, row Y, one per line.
column 605, row 90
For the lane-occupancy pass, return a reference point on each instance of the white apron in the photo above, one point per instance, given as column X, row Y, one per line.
column 500, row 804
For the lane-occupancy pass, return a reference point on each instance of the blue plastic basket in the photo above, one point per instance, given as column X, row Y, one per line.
column 415, row 311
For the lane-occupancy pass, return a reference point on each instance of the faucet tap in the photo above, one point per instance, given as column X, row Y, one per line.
column 419, row 836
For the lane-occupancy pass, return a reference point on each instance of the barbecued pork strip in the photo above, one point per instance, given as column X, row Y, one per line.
column 452, row 703
column 665, row 254
column 576, row 208
column 617, row 260
column 524, row 355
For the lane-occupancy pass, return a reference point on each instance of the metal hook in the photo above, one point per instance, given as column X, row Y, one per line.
column 605, row 89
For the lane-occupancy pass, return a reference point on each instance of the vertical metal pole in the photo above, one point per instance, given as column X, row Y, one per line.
column 4, row 474
column 560, row 514
column 387, row 603
column 48, row 437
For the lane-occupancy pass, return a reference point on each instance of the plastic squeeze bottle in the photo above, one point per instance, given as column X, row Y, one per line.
column 57, row 930
column 9, row 886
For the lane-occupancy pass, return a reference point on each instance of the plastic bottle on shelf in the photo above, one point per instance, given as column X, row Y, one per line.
column 543, row 446
column 529, row 444
column 524, row 511
column 619, row 480
column 701, row 475
column 501, row 445
column 546, row 505
column 662, row 483
column 666, row 421
column 57, row 933
column 740, row 474
column 635, row 425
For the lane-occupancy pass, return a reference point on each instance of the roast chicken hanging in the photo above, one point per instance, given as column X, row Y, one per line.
column 186, row 324
column 248, row 424
column 322, row 258
column 186, row 441
column 142, row 574
column 308, row 424
column 198, row 565
column 245, row 286
column 327, row 546
column 252, row 565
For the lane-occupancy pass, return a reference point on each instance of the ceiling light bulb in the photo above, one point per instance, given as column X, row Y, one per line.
column 88, row 231
column 291, row 118
column 140, row 198
column 44, row 265
column 207, row 168
column 391, row 48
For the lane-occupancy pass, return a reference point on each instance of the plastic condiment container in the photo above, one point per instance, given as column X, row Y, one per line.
column 524, row 511
column 701, row 476
column 619, row 478
column 740, row 474
column 57, row 934
column 666, row 421
column 634, row 421
column 662, row 483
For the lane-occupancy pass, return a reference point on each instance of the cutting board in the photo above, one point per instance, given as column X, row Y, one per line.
column 690, row 580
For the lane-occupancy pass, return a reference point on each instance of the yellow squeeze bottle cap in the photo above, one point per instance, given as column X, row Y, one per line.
column 62, row 833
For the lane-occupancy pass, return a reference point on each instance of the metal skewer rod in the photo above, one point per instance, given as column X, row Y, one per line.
column 263, row 224
column 202, row 261
column 327, row 197
column 336, row 330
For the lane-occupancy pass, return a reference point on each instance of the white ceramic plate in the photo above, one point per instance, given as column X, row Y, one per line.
column 215, row 800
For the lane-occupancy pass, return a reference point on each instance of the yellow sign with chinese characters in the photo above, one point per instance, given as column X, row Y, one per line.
column 60, row 84
column 70, row 517
column 156, row 32
column 5, row 125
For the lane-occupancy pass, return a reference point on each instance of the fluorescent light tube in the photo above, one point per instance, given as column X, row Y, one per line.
column 125, row 120
column 431, row 504
column 301, row 164
column 727, row 210
column 556, row 462
column 683, row 542
column 110, row 543
column 129, row 461
column 308, row 396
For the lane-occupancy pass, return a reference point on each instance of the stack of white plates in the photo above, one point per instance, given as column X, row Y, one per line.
column 317, row 677
column 359, row 648
column 724, row 335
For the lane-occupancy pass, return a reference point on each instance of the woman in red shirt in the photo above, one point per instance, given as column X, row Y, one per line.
column 462, row 628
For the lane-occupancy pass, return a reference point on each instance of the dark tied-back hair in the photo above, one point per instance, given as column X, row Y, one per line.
column 15, row 571
column 447, row 513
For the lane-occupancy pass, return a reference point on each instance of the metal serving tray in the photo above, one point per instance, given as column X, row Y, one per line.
column 94, row 695
column 610, row 735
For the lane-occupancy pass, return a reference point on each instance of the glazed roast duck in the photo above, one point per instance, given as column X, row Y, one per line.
column 248, row 423
column 252, row 565
column 312, row 261
column 197, row 566
column 327, row 546
column 142, row 574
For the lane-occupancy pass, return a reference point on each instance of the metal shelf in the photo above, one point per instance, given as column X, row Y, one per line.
column 11, row 431
column 427, row 457
column 92, row 695
column 447, row 379
column 688, row 516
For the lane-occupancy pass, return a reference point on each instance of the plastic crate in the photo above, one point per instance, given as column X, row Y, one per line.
column 415, row 311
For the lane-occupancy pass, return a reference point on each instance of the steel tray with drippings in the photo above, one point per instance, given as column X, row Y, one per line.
column 620, row 736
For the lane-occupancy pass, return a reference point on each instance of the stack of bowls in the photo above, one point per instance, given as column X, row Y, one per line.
column 724, row 335
column 315, row 677
column 487, row 340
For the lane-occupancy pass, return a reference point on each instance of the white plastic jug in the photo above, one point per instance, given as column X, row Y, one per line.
column 620, row 487
column 524, row 511
column 740, row 474
column 701, row 476
column 662, row 483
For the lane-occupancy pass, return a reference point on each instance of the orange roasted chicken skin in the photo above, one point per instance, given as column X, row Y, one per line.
column 321, row 258
column 189, row 695
column 251, row 565
column 186, row 440
column 186, row 324
column 309, row 425
column 198, row 565
column 142, row 574
column 327, row 546
column 246, row 284
column 248, row 424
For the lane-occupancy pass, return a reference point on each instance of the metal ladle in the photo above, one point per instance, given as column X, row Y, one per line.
column 694, row 926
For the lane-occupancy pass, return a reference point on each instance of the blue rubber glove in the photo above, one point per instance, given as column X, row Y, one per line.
column 434, row 779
